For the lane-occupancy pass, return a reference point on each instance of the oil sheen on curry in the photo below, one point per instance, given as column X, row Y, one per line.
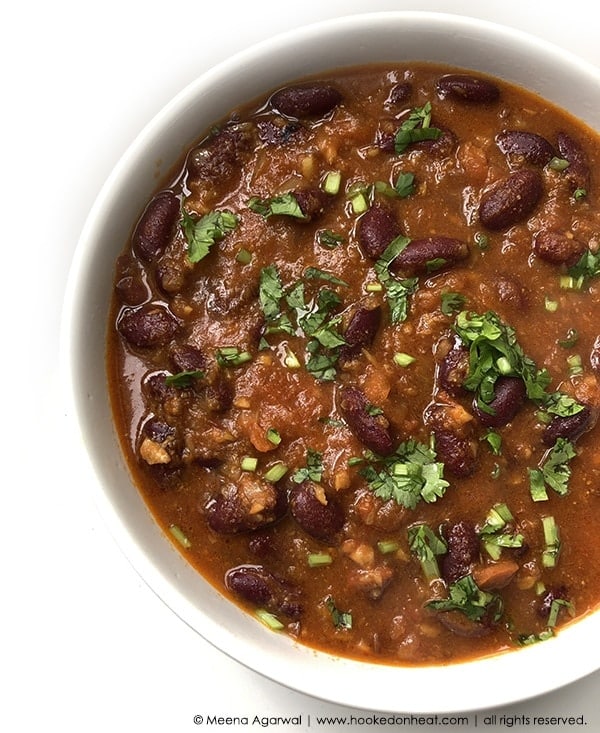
column 354, row 360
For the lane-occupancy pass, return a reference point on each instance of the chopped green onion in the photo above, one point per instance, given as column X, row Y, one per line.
column 269, row 619
column 244, row 257
column 482, row 241
column 331, row 184
column 386, row 547
column 231, row 356
column 504, row 366
column 276, row 472
column 570, row 340
column 550, row 305
column 575, row 364
column 568, row 282
column 179, row 536
column 558, row 164
column 273, row 436
column 359, row 203
column 291, row 360
column 403, row 360
column 249, row 463
column 552, row 540
column 579, row 193
column 318, row 559
column 373, row 287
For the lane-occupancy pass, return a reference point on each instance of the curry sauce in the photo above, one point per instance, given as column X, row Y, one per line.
column 353, row 360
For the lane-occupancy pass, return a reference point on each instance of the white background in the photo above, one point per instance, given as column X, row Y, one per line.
column 85, row 645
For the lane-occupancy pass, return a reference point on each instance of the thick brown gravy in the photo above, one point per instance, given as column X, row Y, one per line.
column 354, row 358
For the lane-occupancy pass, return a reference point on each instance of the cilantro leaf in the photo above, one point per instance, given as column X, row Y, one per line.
column 452, row 303
column 284, row 205
column 416, row 128
column 341, row 619
column 465, row 596
column 184, row 379
column 409, row 475
column 587, row 267
column 397, row 292
column 426, row 545
column 313, row 470
column 554, row 473
column 201, row 234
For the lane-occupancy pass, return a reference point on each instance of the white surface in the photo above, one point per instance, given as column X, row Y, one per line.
column 85, row 644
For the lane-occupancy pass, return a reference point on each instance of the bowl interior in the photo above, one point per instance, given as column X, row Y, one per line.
column 387, row 37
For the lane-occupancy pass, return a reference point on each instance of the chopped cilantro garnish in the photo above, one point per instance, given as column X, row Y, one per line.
column 426, row 545
column 329, row 239
column 184, row 379
column 201, row 234
column 313, row 470
column 416, row 128
column 452, row 303
column 397, row 291
column 554, row 472
column 341, row 619
column 313, row 273
column 494, row 440
column 288, row 311
column 493, row 531
column 409, row 475
column 587, row 267
column 284, row 205
column 465, row 596
column 231, row 356
column 493, row 352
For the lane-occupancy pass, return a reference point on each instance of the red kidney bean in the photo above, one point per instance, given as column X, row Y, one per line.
column 511, row 292
column 187, row 358
column 467, row 88
column 360, row 332
column 321, row 521
column 149, row 326
column 595, row 357
column 220, row 156
column 509, row 395
column 511, row 200
column 570, row 427
column 441, row 147
column 311, row 201
column 457, row 452
column 158, row 430
column 461, row 625
column 306, row 100
column 578, row 172
column 429, row 254
column 463, row 551
column 399, row 93
column 453, row 369
column 557, row 248
column 257, row 585
column 530, row 146
column 156, row 225
column 232, row 511
column 371, row 429
column 376, row 228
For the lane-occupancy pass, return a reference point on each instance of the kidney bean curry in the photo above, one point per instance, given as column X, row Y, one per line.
column 354, row 362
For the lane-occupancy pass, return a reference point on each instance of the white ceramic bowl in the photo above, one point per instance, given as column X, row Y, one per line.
column 474, row 44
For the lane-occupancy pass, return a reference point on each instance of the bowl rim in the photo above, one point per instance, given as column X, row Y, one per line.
column 308, row 671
